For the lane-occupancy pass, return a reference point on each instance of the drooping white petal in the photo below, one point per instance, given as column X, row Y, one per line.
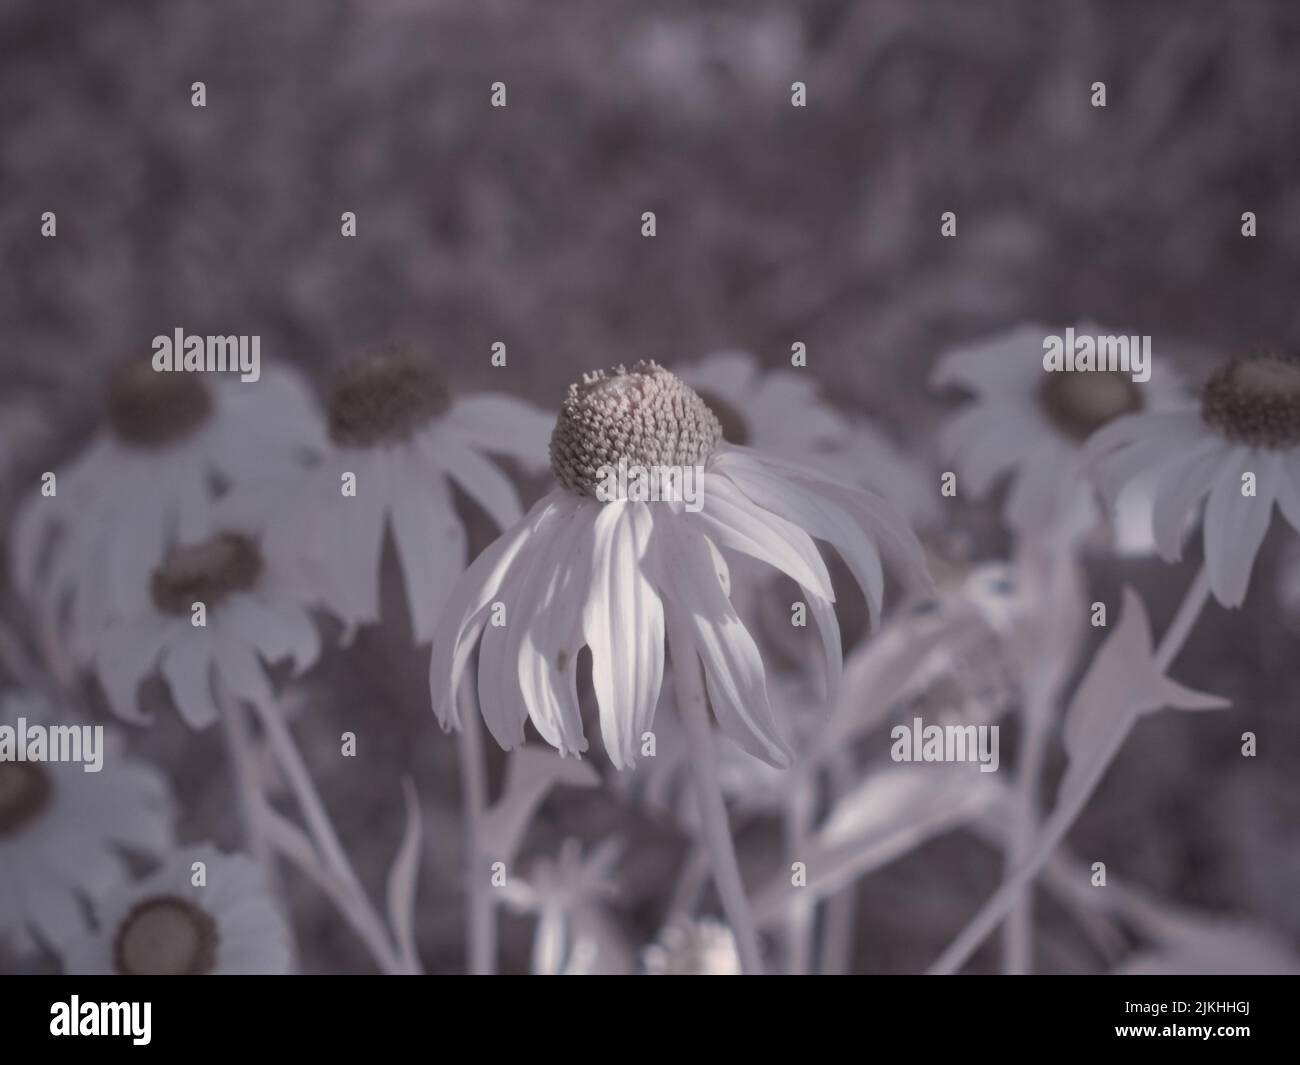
column 1179, row 486
column 33, row 529
column 125, row 655
column 823, row 612
column 186, row 666
column 1235, row 526
column 988, row 440
column 548, row 652
column 733, row 522
column 481, row 479
column 467, row 605
column 506, row 701
column 499, row 691
column 624, row 626
column 430, row 544
column 359, row 522
column 733, row 668
column 277, row 630
column 786, row 496
column 501, row 424
column 996, row 366
column 1162, row 429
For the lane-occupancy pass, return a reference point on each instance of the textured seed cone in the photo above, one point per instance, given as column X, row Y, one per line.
column 644, row 416
column 1255, row 400
column 384, row 398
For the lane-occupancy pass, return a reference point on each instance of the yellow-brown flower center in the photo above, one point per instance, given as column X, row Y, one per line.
column 165, row 936
column 1080, row 403
column 206, row 572
column 25, row 791
column 148, row 408
column 385, row 398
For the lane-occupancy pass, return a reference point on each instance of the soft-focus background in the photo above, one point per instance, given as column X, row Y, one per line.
column 775, row 225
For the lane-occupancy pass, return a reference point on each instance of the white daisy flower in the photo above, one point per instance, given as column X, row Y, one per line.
column 172, row 443
column 396, row 428
column 757, row 409
column 1248, row 422
column 693, row 948
column 65, row 833
column 617, row 576
column 254, row 612
column 1031, row 424
column 165, row 925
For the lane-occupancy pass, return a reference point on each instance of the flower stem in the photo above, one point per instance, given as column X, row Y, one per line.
column 1064, row 816
column 248, row 790
column 839, row 920
column 481, row 912
column 694, row 709
column 801, row 915
column 1018, row 932
column 352, row 898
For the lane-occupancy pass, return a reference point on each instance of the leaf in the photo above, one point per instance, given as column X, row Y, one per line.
column 530, row 774
column 1122, row 683
column 893, row 812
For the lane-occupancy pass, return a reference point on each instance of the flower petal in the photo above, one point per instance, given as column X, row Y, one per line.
column 733, row 667
column 500, row 424
column 125, row 655
column 1235, row 525
column 548, row 654
column 431, row 548
column 623, row 623
column 734, row 522
column 187, row 669
column 481, row 479
column 467, row 605
column 1179, row 486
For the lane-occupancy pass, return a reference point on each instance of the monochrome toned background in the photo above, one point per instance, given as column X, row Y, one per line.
column 775, row 225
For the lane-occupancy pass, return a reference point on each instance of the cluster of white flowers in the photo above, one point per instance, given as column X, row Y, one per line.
column 208, row 529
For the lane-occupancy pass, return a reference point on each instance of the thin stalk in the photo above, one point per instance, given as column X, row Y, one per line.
column 1064, row 816
column 480, row 906
column 355, row 903
column 694, row 709
column 1018, row 932
column 801, row 917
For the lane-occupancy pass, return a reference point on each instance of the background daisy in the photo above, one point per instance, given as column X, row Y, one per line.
column 1030, row 425
column 404, row 444
column 782, row 412
column 169, row 925
column 65, row 833
column 255, row 613
column 171, row 444
column 1239, row 451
